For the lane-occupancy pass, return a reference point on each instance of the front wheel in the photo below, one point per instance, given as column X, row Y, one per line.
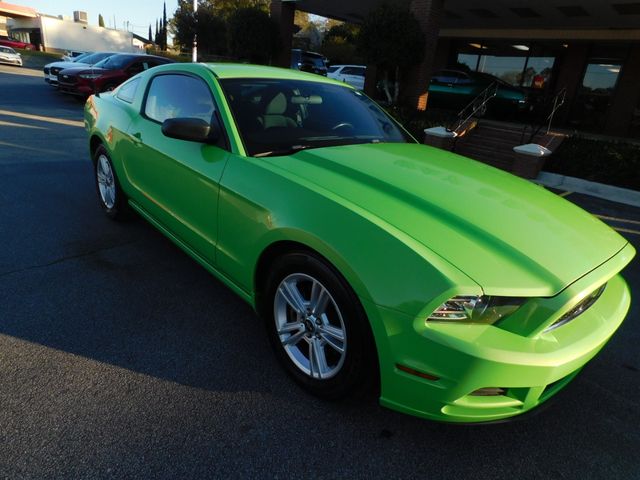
column 317, row 327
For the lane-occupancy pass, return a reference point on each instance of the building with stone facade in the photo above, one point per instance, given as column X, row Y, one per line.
column 589, row 47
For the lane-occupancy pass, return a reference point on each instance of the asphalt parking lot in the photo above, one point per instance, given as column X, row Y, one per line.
column 120, row 357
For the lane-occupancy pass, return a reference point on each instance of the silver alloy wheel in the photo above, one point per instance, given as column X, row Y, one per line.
column 310, row 327
column 106, row 182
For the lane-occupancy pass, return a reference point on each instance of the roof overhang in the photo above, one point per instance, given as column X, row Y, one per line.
column 16, row 11
column 502, row 14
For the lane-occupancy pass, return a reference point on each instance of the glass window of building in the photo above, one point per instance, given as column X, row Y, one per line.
column 538, row 72
column 601, row 78
column 508, row 69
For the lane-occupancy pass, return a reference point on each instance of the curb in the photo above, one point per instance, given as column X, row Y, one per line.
column 595, row 189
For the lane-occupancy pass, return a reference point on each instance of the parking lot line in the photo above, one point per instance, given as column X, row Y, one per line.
column 41, row 118
column 616, row 219
column 565, row 194
column 4, row 123
column 626, row 230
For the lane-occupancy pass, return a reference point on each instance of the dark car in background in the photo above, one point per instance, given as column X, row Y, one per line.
column 107, row 74
column 454, row 89
column 308, row 61
column 52, row 70
column 15, row 43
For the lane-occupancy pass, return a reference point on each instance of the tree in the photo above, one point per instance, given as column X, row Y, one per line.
column 226, row 8
column 150, row 37
column 300, row 20
column 100, row 20
column 212, row 30
column 163, row 33
column 253, row 35
column 156, row 38
column 391, row 39
column 339, row 44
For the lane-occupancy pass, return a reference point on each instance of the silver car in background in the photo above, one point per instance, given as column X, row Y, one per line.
column 9, row 55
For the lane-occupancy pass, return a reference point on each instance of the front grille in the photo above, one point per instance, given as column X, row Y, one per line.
column 579, row 309
column 68, row 79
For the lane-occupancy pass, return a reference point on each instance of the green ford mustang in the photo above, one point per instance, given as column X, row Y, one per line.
column 463, row 293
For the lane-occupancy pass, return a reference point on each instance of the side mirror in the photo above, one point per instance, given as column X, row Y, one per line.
column 191, row 130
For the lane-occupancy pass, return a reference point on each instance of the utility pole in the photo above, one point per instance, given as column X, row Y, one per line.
column 194, row 54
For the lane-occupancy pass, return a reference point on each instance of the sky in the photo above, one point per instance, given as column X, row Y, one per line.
column 139, row 13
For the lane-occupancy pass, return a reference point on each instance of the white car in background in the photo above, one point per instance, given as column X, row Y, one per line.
column 351, row 74
column 72, row 55
column 9, row 55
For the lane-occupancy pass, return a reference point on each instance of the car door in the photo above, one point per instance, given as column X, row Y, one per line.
column 354, row 76
column 177, row 181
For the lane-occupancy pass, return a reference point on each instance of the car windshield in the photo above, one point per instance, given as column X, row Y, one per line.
column 81, row 57
column 316, row 60
column 114, row 62
column 7, row 50
column 279, row 117
column 332, row 69
column 95, row 58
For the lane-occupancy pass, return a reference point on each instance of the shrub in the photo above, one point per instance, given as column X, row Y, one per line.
column 609, row 162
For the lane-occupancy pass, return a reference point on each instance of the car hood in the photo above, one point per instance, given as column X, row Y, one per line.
column 509, row 235
column 76, row 70
column 63, row 65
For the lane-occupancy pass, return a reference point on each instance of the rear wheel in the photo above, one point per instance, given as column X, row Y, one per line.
column 317, row 327
column 110, row 195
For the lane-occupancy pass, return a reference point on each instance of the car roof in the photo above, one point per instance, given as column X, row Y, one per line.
column 242, row 70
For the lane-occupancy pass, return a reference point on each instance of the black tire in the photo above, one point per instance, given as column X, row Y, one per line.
column 114, row 206
column 357, row 372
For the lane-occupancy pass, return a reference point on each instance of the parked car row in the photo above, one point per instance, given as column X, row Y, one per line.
column 98, row 72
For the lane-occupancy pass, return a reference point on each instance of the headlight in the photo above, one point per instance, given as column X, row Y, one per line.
column 475, row 309
column 90, row 76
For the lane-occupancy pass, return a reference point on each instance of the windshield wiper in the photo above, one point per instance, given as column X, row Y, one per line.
column 283, row 151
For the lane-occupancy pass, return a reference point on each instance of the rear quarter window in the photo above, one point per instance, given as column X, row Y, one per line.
column 127, row 92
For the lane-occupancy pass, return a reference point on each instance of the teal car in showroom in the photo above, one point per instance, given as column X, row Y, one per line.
column 463, row 293
column 455, row 89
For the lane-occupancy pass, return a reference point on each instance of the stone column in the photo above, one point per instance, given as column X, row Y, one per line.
column 626, row 97
column 570, row 73
column 429, row 13
column 283, row 12
column 370, row 80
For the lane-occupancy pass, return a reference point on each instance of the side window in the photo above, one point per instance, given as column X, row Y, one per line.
column 137, row 67
column 178, row 96
column 127, row 91
column 353, row 71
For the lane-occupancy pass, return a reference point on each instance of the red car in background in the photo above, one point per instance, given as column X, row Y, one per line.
column 106, row 74
column 13, row 43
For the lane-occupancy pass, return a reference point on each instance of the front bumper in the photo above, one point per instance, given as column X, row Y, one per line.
column 11, row 61
column 528, row 364
column 79, row 89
